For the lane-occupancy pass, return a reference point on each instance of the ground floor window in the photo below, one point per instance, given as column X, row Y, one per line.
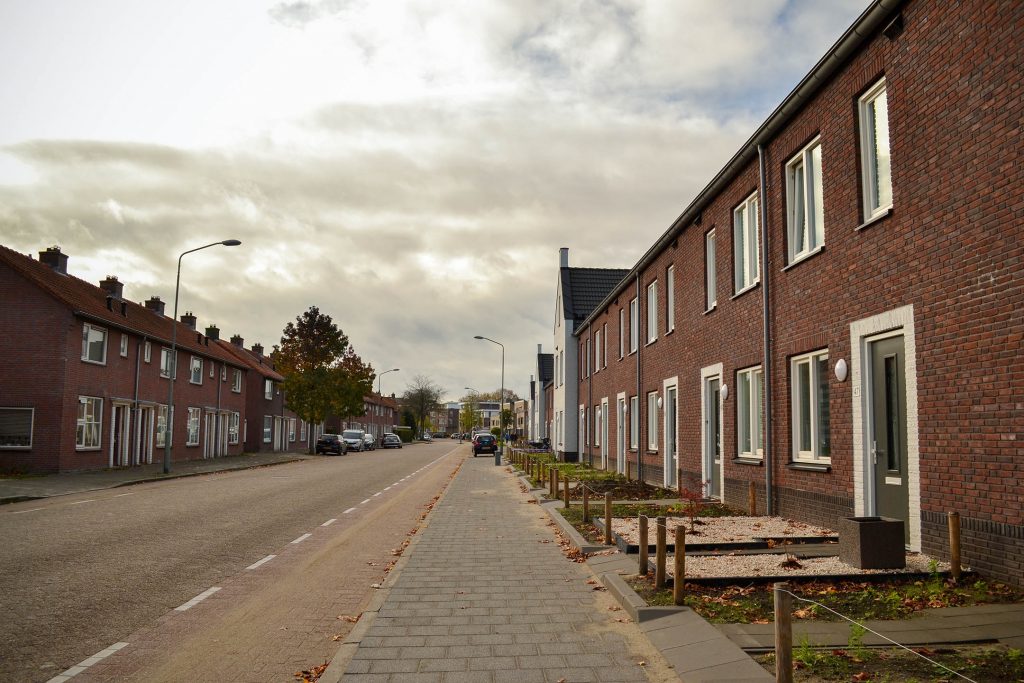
column 302, row 430
column 810, row 407
column 634, row 422
column 90, row 414
column 16, row 427
column 161, row 426
column 652, row 421
column 749, row 431
column 268, row 428
column 233, row 428
column 193, row 426
column 291, row 429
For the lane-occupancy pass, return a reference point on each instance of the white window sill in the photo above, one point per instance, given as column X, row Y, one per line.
column 752, row 285
column 88, row 448
column 650, row 341
column 821, row 465
column 804, row 257
column 94, row 362
column 712, row 309
column 876, row 218
column 198, row 384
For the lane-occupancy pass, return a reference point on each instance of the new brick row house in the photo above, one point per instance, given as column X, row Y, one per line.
column 84, row 375
column 838, row 317
column 380, row 416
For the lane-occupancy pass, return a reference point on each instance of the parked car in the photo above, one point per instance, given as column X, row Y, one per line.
column 427, row 436
column 484, row 443
column 370, row 441
column 390, row 440
column 331, row 443
column 354, row 439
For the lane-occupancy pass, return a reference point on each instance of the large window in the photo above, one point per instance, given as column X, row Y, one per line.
column 634, row 324
column 166, row 364
column 652, row 312
column 634, row 422
column 161, row 426
column 16, row 427
column 192, row 439
column 268, row 389
column 811, row 433
column 196, row 370
column 710, row 293
column 805, row 213
column 233, row 428
column 652, row 421
column 745, row 255
column 749, row 430
column 268, row 428
column 670, row 299
column 874, row 151
column 90, row 415
column 94, row 344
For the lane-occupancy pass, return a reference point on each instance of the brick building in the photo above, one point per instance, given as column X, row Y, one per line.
column 872, row 225
column 380, row 416
column 84, row 375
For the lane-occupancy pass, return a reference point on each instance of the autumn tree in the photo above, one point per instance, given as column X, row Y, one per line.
column 322, row 373
column 469, row 415
column 421, row 396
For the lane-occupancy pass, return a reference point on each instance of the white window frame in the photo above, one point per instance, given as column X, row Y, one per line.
column 161, row 426
column 195, row 374
column 597, row 426
column 652, row 421
column 622, row 333
column 124, row 345
column 192, row 433
column 597, row 352
column 268, row 428
column 604, row 349
column 88, row 341
column 811, row 360
column 652, row 312
column 561, row 367
column 302, row 430
column 236, row 380
column 291, row 429
column 168, row 364
column 634, row 423
column 586, row 364
column 805, row 208
column 746, row 247
column 634, row 324
column 268, row 389
column 710, row 272
column 31, row 428
column 233, row 422
column 147, row 352
column 89, row 427
column 213, row 370
column 877, row 187
column 749, row 425
column 670, row 299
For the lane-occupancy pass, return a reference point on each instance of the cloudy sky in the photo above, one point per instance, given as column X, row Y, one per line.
column 411, row 167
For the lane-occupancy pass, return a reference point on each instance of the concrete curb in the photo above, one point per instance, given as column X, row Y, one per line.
column 336, row 669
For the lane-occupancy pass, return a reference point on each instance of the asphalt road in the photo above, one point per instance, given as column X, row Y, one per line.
column 79, row 573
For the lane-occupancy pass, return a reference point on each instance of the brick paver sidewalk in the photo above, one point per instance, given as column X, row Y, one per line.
column 486, row 595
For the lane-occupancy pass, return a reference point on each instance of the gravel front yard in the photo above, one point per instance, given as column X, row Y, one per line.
column 722, row 529
column 772, row 565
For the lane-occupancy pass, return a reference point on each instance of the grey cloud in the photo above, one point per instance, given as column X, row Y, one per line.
column 303, row 12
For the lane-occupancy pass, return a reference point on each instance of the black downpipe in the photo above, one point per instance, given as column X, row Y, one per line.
column 766, row 322
column 639, row 403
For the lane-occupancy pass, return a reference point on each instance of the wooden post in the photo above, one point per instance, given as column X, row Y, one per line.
column 679, row 481
column 953, row 519
column 752, row 499
column 608, row 519
column 679, row 566
column 660, row 554
column 554, row 483
column 586, row 504
column 566, row 491
column 783, row 633
column 629, row 470
column 644, row 542
column 551, row 482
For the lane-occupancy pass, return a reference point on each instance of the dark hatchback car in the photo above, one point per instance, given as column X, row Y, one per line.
column 331, row 443
column 390, row 440
column 484, row 443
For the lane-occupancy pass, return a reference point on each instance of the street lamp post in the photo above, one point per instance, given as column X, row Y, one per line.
column 473, row 425
column 501, row 399
column 381, row 397
column 173, row 361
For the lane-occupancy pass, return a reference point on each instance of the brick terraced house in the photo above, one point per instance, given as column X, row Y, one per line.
column 84, row 375
column 838, row 317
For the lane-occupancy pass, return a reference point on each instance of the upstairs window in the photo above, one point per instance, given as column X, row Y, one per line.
column 124, row 345
column 622, row 332
column 710, row 274
column 236, row 381
column 745, row 252
column 805, row 214
column 268, row 389
column 147, row 352
column 604, row 349
column 652, row 312
column 597, row 351
column 94, row 344
column 634, row 324
column 196, row 371
column 167, row 365
column 876, row 170
column 670, row 299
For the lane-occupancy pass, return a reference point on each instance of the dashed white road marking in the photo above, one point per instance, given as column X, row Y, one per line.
column 86, row 663
column 389, row 487
column 79, row 502
column 266, row 559
column 329, row 522
column 21, row 512
column 366, row 501
column 122, row 495
column 301, row 538
column 198, row 599
column 377, row 494
column 348, row 511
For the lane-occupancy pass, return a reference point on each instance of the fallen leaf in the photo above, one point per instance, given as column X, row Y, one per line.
column 349, row 619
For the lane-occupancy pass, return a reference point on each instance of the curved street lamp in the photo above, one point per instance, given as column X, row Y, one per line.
column 173, row 369
column 501, row 399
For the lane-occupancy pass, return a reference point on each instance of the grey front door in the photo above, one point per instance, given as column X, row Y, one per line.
column 671, row 460
column 713, row 437
column 889, row 430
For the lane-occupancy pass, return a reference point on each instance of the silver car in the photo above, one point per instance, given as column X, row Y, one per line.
column 355, row 439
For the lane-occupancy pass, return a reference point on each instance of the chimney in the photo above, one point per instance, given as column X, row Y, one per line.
column 257, row 349
column 563, row 257
column 539, row 349
column 155, row 304
column 213, row 332
column 56, row 260
column 112, row 286
column 237, row 340
column 189, row 319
